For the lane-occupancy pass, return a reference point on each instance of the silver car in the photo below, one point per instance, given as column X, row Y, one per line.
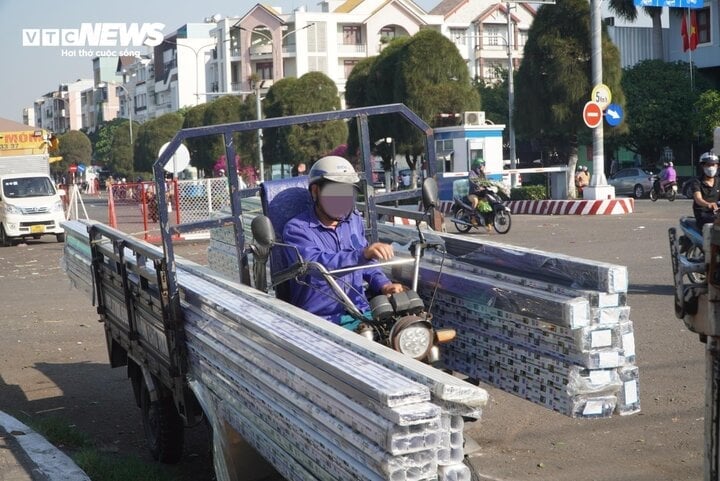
column 632, row 181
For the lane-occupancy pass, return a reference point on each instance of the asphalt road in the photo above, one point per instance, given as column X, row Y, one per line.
column 53, row 361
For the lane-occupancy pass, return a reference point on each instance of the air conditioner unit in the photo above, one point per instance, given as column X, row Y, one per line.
column 474, row 118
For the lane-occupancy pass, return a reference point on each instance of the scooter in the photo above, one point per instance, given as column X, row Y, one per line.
column 669, row 192
column 465, row 217
column 400, row 321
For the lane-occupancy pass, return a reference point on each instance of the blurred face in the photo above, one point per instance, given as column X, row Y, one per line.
column 336, row 200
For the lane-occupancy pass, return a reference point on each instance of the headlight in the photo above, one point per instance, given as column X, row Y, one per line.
column 11, row 209
column 58, row 207
column 414, row 340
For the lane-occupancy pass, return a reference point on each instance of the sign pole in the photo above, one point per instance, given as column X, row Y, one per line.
column 598, row 188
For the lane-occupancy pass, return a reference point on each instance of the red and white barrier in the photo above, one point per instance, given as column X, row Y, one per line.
column 573, row 207
column 623, row 205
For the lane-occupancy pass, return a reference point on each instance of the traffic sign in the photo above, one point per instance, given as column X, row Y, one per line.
column 72, row 168
column 592, row 114
column 670, row 3
column 614, row 115
column 179, row 160
column 81, row 168
column 601, row 95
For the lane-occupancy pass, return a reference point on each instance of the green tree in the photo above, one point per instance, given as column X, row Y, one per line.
column 276, row 148
column 223, row 110
column 313, row 92
column 660, row 108
column 103, row 140
column 120, row 160
column 555, row 79
column 198, row 146
column 432, row 78
column 151, row 136
column 708, row 117
column 75, row 148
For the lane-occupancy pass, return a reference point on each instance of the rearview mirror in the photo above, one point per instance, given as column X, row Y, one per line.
column 262, row 231
column 429, row 193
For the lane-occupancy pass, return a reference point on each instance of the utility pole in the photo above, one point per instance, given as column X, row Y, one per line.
column 511, row 99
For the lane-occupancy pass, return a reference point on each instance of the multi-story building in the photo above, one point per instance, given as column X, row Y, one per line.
column 707, row 54
column 60, row 110
column 180, row 67
column 487, row 33
column 266, row 45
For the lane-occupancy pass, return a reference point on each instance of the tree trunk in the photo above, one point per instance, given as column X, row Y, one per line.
column 657, row 40
column 572, row 170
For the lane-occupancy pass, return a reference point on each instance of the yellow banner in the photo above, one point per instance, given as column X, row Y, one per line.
column 23, row 142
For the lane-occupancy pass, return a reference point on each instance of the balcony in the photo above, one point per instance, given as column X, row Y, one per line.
column 352, row 49
column 261, row 50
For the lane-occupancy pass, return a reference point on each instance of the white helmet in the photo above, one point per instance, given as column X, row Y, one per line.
column 709, row 158
column 333, row 168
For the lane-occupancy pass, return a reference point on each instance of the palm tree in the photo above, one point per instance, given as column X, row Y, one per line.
column 627, row 10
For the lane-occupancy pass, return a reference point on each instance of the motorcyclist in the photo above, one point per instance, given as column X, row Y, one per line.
column 667, row 175
column 332, row 233
column 706, row 190
column 476, row 178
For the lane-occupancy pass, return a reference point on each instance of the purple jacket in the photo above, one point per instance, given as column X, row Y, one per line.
column 335, row 249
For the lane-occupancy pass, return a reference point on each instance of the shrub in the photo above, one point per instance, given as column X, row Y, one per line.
column 529, row 192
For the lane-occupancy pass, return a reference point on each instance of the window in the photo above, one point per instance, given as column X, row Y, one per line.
column 444, row 145
column 351, row 35
column 458, row 36
column 494, row 35
column 348, row 65
column 264, row 70
column 703, row 25
column 388, row 33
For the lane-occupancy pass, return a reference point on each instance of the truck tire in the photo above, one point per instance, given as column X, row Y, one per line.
column 163, row 427
column 60, row 238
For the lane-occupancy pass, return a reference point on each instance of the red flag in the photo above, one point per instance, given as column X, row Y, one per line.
column 684, row 33
column 693, row 37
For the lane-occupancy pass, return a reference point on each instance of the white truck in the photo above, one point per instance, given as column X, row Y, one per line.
column 30, row 204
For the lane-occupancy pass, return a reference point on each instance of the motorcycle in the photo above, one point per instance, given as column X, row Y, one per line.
column 465, row 217
column 690, row 247
column 400, row 321
column 669, row 192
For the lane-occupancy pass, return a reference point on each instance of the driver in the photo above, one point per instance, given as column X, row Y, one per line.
column 332, row 233
column 706, row 190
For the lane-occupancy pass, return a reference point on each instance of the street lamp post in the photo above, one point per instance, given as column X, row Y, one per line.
column 197, row 64
column 511, row 91
column 258, row 85
column 127, row 103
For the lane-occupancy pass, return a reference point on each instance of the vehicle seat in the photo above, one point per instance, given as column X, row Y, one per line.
column 282, row 200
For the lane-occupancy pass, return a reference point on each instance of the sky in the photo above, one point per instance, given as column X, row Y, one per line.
column 28, row 72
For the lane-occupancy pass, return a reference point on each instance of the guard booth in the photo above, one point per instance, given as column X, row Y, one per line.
column 457, row 147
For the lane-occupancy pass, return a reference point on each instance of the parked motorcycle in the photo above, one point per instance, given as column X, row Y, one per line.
column 465, row 217
column 669, row 192
column 400, row 321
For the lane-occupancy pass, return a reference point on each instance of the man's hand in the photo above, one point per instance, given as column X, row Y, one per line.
column 392, row 288
column 379, row 251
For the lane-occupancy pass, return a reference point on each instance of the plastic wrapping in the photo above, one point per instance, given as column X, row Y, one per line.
column 588, row 381
column 629, row 394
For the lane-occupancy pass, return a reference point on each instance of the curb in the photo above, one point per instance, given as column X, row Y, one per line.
column 46, row 462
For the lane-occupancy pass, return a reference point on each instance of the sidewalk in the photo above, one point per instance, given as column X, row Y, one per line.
column 27, row 456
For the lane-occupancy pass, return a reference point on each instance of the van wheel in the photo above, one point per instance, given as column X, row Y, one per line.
column 163, row 427
column 4, row 239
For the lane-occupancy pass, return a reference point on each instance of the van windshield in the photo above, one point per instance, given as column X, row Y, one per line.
column 27, row 187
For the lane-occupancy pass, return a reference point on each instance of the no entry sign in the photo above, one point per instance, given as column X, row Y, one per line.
column 592, row 114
